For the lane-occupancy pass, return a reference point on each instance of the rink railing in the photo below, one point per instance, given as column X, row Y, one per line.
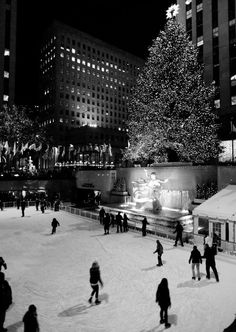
column 13, row 204
column 136, row 225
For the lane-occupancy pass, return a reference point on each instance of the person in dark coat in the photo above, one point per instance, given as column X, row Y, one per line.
column 37, row 203
column 30, row 320
column 42, row 205
column 209, row 255
column 106, row 223
column 144, row 226
column 112, row 218
column 1, row 205
column 23, row 205
column 125, row 223
column 101, row 215
column 54, row 225
column 5, row 299
column 163, row 299
column 18, row 203
column 2, row 263
column 159, row 251
column 119, row 222
column 57, row 205
column 196, row 260
column 179, row 232
column 95, row 279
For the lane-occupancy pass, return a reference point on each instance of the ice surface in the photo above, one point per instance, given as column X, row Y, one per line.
column 52, row 272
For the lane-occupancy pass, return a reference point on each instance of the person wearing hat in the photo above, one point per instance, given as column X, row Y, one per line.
column 95, row 279
column 159, row 251
column 30, row 319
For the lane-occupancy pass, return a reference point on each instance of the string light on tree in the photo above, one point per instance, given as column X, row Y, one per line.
column 172, row 11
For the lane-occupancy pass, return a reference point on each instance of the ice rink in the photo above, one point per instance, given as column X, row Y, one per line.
column 52, row 272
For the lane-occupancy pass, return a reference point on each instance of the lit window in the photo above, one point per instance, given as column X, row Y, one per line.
column 88, row 64
column 5, row 97
column 189, row 13
column 78, row 60
column 6, row 74
column 73, row 50
column 98, row 67
column 62, row 55
column 73, row 58
column 233, row 100
column 83, row 62
column 78, row 67
column 6, row 52
column 102, row 69
column 93, row 66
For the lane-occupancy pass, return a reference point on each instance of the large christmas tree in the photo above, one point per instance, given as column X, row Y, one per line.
column 171, row 112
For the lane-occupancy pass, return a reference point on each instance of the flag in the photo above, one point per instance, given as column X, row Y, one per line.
column 14, row 149
column 109, row 150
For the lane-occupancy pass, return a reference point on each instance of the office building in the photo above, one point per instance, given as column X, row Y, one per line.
column 85, row 87
column 8, row 19
column 211, row 25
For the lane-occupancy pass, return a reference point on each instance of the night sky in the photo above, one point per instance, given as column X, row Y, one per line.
column 128, row 24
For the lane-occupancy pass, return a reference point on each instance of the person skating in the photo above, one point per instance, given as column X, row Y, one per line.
column 42, row 205
column 144, row 226
column 209, row 255
column 196, row 260
column 18, row 203
column 30, row 320
column 118, row 222
column 1, row 205
column 5, row 299
column 125, row 223
column 54, row 225
column 179, row 232
column 95, row 279
column 159, row 251
column 112, row 218
column 101, row 215
column 2, row 263
column 163, row 299
column 37, row 203
column 106, row 223
column 23, row 205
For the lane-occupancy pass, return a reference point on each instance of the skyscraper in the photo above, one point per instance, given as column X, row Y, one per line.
column 211, row 25
column 8, row 18
column 85, row 87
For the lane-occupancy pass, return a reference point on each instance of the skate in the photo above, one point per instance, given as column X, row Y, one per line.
column 167, row 325
column 90, row 300
column 97, row 302
column 162, row 321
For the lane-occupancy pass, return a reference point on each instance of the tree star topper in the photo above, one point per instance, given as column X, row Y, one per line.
column 172, row 11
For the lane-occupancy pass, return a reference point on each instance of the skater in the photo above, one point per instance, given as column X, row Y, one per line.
column 101, row 215
column 37, row 203
column 23, row 204
column 119, row 223
column 2, row 263
column 163, row 299
column 18, row 203
column 112, row 218
column 1, row 205
column 42, row 205
column 159, row 251
column 30, row 320
column 179, row 231
column 196, row 259
column 57, row 205
column 209, row 255
column 125, row 223
column 54, row 224
column 95, row 279
column 144, row 226
column 106, row 223
column 5, row 299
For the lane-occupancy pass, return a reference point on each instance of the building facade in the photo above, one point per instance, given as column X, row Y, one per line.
column 211, row 25
column 85, row 87
column 8, row 20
